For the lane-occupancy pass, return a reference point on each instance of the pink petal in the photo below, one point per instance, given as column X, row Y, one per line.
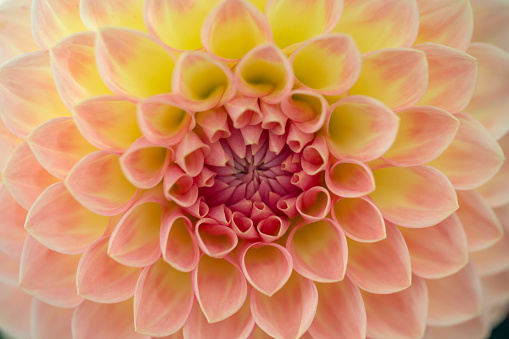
column 315, row 157
column 340, row 312
column 9, row 270
column 272, row 228
column 49, row 322
column 490, row 22
column 244, row 111
column 314, row 204
column 12, row 234
column 381, row 274
column 473, row 157
column 97, row 182
column 350, row 179
column 471, row 329
column 15, row 319
column 214, row 124
column 127, row 13
column 496, row 190
column 179, row 187
column 163, row 300
column 8, row 143
column 296, row 139
column 495, row 287
column 190, row 154
column 437, row 251
column 59, row 287
column 61, row 223
column 360, row 128
column 306, row 109
column 289, row 312
column 409, row 196
column 102, row 279
column 273, row 119
column 220, row 288
column 214, row 239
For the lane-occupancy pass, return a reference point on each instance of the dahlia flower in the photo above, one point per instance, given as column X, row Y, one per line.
column 253, row 169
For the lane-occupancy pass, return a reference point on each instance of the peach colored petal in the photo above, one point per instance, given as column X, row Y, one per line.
column 190, row 154
column 133, row 64
column 15, row 319
column 272, row 228
column 381, row 274
column 163, row 300
column 102, row 279
column 61, row 223
column 214, row 239
column 243, row 111
column 28, row 93
column 49, row 322
column 53, row 20
column 350, row 179
column 319, row 251
column 12, row 234
column 378, row 24
column 220, row 288
column 437, row 251
column 359, row 218
column 179, row 187
column 273, row 119
column 243, row 226
column 360, row 128
column 288, row 313
column 446, row 22
column 314, row 17
column 126, row 13
column 177, row 335
column 495, row 287
column 9, row 270
column 496, row 190
column 296, row 139
column 490, row 22
column 424, row 133
column 97, row 182
column 398, row 77
column 24, row 177
column 8, row 143
column 315, row 157
column 214, row 124
column 478, row 327
column 258, row 333
column 417, row 196
column 58, row 145
column 306, row 109
column 59, row 287
column 340, row 312
column 409, row 307
column 314, row 203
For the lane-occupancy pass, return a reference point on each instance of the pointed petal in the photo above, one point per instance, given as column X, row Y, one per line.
column 350, row 179
column 163, row 300
column 478, row 327
column 360, row 128
column 132, row 64
column 48, row 322
column 289, row 312
column 414, row 196
column 97, row 182
column 127, row 13
column 220, row 288
column 496, row 190
column 306, row 109
column 15, row 319
column 314, row 203
column 59, row 287
column 12, row 234
column 439, row 250
column 381, row 274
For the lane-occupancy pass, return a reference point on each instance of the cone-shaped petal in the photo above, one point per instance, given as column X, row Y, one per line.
column 28, row 93
column 53, row 20
column 306, row 109
column 414, row 196
column 452, row 77
column 315, row 157
column 319, row 251
column 382, row 274
column 473, row 157
column 199, row 93
column 214, row 239
column 314, row 17
column 273, row 119
column 107, row 122
column 214, row 124
column 238, row 325
column 24, row 177
column 102, row 279
column 424, row 133
column 359, row 218
column 447, row 22
column 132, row 64
column 314, row 204
column 243, row 111
column 15, row 319
column 58, row 145
column 409, row 306
column 350, row 179
column 12, row 235
column 496, row 190
column 59, row 287
column 49, row 322
column 98, row 183
column 454, row 299
column 328, row 64
column 289, row 312
column 190, row 154
column 163, row 300
column 179, row 187
column 74, row 68
column 361, row 128
column 478, row 327
column 8, row 142
column 127, row 13
column 439, row 250
column 233, row 28
column 220, row 288
column 340, row 312
column 135, row 240
column 61, row 223
column 94, row 320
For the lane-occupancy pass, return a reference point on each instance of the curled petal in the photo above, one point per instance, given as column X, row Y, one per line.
column 361, row 128
column 314, row 204
column 350, row 179
column 424, row 133
column 132, row 64
column 244, row 111
column 496, row 190
column 47, row 322
column 273, row 118
column 272, row 228
column 97, row 182
column 214, row 239
column 214, row 124
column 97, row 13
column 381, row 274
column 306, row 109
column 414, row 196
column 179, row 187
column 190, row 154
column 473, row 157
column 315, row 157
column 296, row 139
column 163, row 300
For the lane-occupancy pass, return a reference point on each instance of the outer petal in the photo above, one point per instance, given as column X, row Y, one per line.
column 414, row 196
column 163, row 300
column 378, row 24
column 127, row 13
column 398, row 77
column 12, row 234
column 382, row 274
column 478, row 327
column 8, row 143
column 133, row 64
column 15, row 319
column 490, row 22
column 496, row 190
column 48, row 322
column 9, row 270
column 289, row 312
column 59, row 287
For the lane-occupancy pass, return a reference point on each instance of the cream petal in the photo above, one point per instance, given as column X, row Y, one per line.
column 127, row 13
column 48, row 322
